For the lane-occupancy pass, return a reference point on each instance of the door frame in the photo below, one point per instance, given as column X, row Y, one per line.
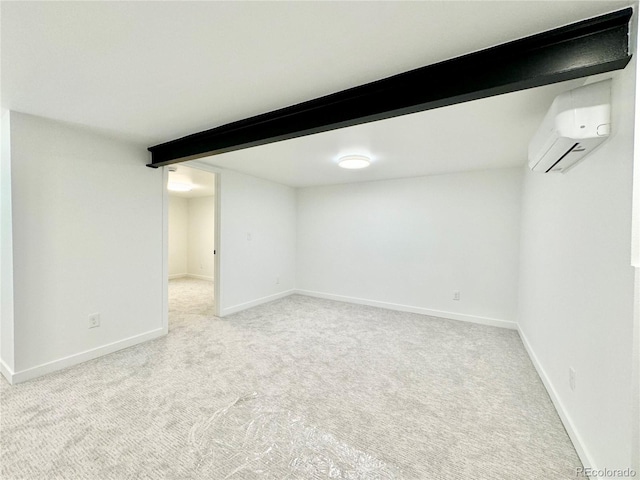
column 217, row 280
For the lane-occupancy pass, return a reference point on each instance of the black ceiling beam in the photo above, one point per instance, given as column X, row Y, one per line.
column 589, row 47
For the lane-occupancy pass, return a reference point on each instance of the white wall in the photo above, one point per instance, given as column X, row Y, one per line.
column 257, row 241
column 191, row 237
column 87, row 237
column 201, row 237
column 412, row 242
column 178, row 235
column 577, row 287
column 635, row 248
column 6, row 252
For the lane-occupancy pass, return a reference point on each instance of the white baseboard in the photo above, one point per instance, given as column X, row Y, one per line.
column 253, row 303
column 494, row 322
column 71, row 360
column 6, row 372
column 575, row 437
column 190, row 275
column 199, row 277
column 177, row 275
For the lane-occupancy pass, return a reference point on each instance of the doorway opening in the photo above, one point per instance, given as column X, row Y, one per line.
column 191, row 242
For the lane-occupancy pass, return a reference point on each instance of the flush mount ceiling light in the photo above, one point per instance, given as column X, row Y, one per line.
column 353, row 162
column 179, row 187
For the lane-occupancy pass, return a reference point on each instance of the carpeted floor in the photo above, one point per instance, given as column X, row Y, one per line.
column 300, row 388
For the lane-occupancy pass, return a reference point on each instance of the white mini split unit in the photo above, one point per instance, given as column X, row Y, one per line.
column 577, row 122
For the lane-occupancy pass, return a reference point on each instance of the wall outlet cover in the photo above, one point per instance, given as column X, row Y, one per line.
column 94, row 320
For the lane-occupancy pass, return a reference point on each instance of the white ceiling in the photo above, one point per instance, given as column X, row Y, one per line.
column 203, row 183
column 154, row 71
column 489, row 133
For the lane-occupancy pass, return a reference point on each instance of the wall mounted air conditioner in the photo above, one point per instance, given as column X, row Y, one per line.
column 577, row 122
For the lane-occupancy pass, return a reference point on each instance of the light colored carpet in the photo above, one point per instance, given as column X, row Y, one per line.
column 300, row 388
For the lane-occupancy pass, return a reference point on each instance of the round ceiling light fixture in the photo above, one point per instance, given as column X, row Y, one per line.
column 353, row 162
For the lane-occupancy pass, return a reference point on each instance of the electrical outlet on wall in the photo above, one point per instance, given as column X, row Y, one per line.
column 94, row 320
column 456, row 294
column 572, row 378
